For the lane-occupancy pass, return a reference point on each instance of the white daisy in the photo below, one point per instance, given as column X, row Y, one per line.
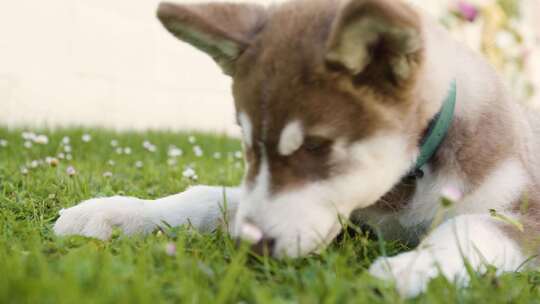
column 86, row 138
column 149, row 146
column 34, row 164
column 190, row 173
column 28, row 136
column 175, row 152
column 198, row 151
column 41, row 139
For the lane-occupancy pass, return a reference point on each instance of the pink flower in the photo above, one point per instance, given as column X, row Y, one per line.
column 170, row 249
column 71, row 171
column 452, row 193
column 467, row 11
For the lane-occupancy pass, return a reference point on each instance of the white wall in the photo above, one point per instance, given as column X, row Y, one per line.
column 105, row 63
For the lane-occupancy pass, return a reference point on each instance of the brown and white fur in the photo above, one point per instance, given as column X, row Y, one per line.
column 333, row 98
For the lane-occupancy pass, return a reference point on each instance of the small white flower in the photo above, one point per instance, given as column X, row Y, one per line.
column 29, row 136
column 192, row 139
column 3, row 143
column 119, row 150
column 217, row 155
column 71, row 171
column 61, row 155
column 114, row 143
column 86, row 138
column 111, row 162
column 198, row 151
column 67, row 148
column 127, row 150
column 41, row 139
column 190, row 173
column 175, row 152
column 69, row 157
column 28, row 144
column 170, row 249
column 172, row 162
column 139, row 164
column 107, row 174
column 66, row 140
column 238, row 154
column 24, row 171
column 149, row 146
column 34, row 164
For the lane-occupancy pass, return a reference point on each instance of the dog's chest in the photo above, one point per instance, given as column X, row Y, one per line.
column 407, row 210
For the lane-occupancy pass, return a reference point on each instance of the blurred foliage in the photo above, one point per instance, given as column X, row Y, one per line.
column 497, row 29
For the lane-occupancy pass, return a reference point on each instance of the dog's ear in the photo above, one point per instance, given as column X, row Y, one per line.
column 375, row 36
column 222, row 30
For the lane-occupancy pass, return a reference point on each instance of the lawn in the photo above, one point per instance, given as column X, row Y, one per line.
column 39, row 175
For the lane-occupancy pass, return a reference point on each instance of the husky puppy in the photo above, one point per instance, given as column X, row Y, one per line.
column 362, row 109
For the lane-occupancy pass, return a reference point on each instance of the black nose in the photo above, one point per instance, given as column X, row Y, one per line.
column 264, row 247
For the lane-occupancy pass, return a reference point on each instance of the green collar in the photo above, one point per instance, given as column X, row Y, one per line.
column 437, row 130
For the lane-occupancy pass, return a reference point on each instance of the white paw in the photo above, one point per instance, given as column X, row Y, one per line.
column 412, row 271
column 98, row 217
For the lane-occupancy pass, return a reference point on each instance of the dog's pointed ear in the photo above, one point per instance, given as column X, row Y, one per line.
column 222, row 30
column 375, row 36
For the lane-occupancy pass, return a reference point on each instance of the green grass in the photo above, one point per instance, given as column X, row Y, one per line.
column 38, row 267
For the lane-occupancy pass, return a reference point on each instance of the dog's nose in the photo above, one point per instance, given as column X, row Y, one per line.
column 262, row 245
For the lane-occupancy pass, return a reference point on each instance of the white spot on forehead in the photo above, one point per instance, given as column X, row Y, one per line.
column 291, row 138
column 247, row 128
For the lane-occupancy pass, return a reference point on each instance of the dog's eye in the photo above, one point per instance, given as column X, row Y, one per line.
column 315, row 144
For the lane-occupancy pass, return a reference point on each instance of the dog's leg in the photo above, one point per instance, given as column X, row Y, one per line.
column 203, row 207
column 475, row 239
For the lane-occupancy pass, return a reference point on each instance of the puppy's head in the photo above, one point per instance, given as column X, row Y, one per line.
column 326, row 96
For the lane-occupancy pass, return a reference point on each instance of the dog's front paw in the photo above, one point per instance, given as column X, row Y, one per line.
column 412, row 271
column 98, row 217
